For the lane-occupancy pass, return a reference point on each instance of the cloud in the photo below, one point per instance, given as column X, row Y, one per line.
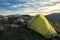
column 45, row 10
column 55, row 0
column 30, row 6
column 34, row 4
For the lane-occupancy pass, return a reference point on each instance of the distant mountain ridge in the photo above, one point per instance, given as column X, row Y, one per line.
column 54, row 17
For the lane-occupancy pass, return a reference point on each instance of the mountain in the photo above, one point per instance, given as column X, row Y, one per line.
column 55, row 17
column 15, row 28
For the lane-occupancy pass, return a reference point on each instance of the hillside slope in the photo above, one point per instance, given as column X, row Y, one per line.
column 15, row 28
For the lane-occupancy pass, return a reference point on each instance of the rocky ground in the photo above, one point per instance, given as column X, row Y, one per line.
column 15, row 28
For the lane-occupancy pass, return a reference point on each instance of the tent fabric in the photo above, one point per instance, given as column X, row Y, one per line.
column 41, row 25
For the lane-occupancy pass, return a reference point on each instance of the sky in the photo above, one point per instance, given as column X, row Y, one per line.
column 29, row 6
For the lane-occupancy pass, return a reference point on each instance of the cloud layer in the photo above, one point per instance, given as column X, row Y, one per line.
column 29, row 6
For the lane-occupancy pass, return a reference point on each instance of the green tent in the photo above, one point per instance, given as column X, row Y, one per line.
column 41, row 25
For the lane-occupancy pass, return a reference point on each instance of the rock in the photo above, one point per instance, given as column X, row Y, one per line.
column 19, row 21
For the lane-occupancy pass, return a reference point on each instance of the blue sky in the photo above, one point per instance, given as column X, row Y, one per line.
column 28, row 6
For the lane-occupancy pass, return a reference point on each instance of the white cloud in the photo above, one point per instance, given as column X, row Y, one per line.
column 36, row 6
column 55, row 0
column 51, row 8
column 16, row 6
